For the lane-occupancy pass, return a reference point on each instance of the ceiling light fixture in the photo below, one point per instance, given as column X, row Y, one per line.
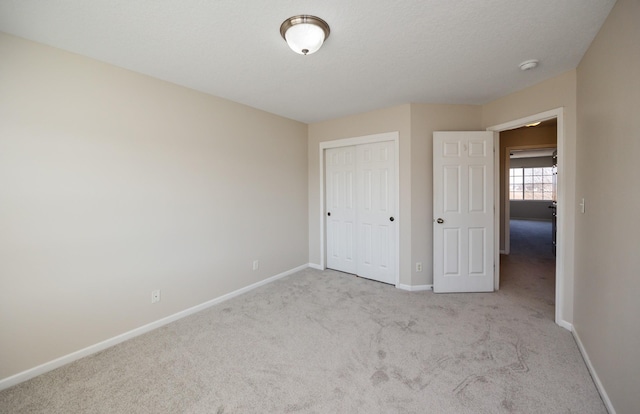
column 304, row 34
column 529, row 64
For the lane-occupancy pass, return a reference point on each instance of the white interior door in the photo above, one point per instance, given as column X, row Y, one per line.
column 376, row 211
column 361, row 210
column 463, row 224
column 341, row 208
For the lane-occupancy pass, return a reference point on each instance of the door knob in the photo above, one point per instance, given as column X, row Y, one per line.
column 391, row 219
column 329, row 213
column 440, row 221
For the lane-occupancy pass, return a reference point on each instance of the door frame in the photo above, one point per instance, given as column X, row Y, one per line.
column 346, row 142
column 563, row 210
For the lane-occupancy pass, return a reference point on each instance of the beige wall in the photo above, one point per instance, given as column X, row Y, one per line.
column 540, row 136
column 607, row 306
column 115, row 184
column 425, row 119
column 558, row 92
column 415, row 124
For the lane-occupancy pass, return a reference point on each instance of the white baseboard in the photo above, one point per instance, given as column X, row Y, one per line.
column 100, row 346
column 594, row 375
column 566, row 325
column 315, row 266
column 414, row 288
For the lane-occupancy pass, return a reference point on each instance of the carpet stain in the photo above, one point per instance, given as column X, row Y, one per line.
column 415, row 383
column 379, row 377
column 339, row 392
column 508, row 406
column 444, row 309
column 320, row 323
column 471, row 379
column 382, row 354
column 293, row 408
column 407, row 326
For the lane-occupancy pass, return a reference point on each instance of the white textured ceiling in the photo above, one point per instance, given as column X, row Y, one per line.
column 380, row 53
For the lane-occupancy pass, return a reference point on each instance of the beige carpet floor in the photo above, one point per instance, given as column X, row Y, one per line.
column 328, row 342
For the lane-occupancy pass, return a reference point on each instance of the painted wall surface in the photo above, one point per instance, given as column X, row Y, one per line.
column 558, row 92
column 415, row 123
column 531, row 210
column 114, row 184
column 607, row 306
column 375, row 122
column 425, row 119
column 532, row 162
column 537, row 137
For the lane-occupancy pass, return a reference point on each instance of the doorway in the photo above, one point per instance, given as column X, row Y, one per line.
column 528, row 178
column 562, row 210
column 528, row 175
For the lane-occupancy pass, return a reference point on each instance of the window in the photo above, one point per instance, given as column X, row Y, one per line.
column 531, row 183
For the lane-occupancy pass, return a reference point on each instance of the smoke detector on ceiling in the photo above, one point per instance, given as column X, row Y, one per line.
column 529, row 64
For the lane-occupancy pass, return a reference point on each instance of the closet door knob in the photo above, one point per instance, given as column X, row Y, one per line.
column 440, row 221
column 391, row 219
column 329, row 213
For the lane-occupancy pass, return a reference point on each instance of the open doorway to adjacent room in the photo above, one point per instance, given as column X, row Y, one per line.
column 528, row 197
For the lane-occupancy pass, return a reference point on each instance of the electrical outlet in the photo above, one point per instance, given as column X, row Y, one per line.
column 256, row 264
column 419, row 267
column 155, row 296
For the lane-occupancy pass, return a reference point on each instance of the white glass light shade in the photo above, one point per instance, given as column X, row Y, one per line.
column 304, row 38
column 304, row 34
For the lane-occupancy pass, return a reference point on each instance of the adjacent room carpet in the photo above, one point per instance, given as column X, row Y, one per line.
column 531, row 238
column 329, row 342
column 530, row 267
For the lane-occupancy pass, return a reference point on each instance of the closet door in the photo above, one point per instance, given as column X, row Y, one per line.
column 341, row 208
column 376, row 210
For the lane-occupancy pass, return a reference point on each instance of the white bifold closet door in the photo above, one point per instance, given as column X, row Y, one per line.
column 361, row 209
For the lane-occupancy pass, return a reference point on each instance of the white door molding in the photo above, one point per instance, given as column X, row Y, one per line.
column 563, row 210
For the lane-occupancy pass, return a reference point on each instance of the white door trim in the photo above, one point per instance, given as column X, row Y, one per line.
column 366, row 139
column 562, row 200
